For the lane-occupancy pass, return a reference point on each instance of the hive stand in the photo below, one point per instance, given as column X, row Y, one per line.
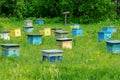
column 65, row 19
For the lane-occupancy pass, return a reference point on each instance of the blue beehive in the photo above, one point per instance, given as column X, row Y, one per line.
column 34, row 38
column 109, row 29
column 77, row 32
column 28, row 29
column 104, row 36
column 40, row 21
column 10, row 49
column 113, row 46
column 52, row 55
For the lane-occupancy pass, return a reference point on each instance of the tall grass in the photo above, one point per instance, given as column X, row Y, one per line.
column 87, row 60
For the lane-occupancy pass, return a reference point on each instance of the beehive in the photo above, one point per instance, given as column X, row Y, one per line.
column 28, row 23
column 52, row 55
column 64, row 42
column 77, row 32
column 113, row 46
column 75, row 25
column 28, row 29
column 34, row 38
column 61, row 34
column 45, row 32
column 111, row 29
column 5, row 35
column 10, row 49
column 55, row 30
column 40, row 21
column 104, row 36
column 15, row 32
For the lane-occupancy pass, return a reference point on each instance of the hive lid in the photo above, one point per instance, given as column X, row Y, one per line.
column 34, row 35
column 52, row 51
column 76, row 29
column 56, row 28
column 39, row 19
column 28, row 27
column 62, row 32
column 4, row 32
column 10, row 45
column 110, row 27
column 104, row 32
column 113, row 41
column 64, row 39
column 28, row 20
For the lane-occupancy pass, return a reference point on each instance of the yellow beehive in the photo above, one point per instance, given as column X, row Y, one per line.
column 15, row 32
column 65, row 43
column 75, row 26
column 45, row 32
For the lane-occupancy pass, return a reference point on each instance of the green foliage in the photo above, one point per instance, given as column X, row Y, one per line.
column 81, row 11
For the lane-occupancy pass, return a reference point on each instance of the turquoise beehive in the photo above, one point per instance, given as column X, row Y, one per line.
column 113, row 46
column 77, row 32
column 34, row 38
column 52, row 55
column 104, row 36
column 10, row 49
column 111, row 29
column 40, row 21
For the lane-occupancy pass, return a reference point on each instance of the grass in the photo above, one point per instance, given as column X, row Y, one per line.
column 87, row 60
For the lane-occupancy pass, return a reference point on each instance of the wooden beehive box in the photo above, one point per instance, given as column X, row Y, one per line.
column 52, row 55
column 77, row 32
column 113, row 46
column 34, row 38
column 28, row 23
column 10, row 49
column 15, row 32
column 64, row 42
column 28, row 29
column 75, row 26
column 46, row 32
column 61, row 34
column 54, row 30
column 40, row 21
column 104, row 36
column 111, row 29
column 5, row 35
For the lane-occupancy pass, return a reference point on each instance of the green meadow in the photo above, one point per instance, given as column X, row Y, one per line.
column 87, row 60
